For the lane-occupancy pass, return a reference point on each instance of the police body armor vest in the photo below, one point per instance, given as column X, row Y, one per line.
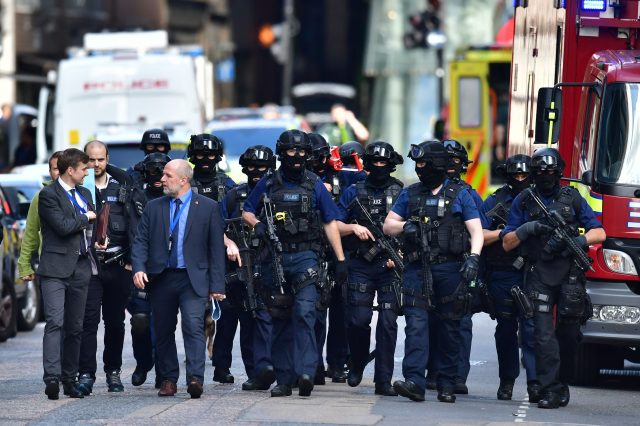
column 378, row 207
column 448, row 235
column 236, row 198
column 554, row 267
column 117, row 230
column 296, row 219
column 495, row 256
column 214, row 189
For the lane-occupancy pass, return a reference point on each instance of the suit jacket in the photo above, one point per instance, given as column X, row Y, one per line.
column 62, row 230
column 203, row 243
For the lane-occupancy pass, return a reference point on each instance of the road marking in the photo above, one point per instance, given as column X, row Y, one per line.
column 521, row 413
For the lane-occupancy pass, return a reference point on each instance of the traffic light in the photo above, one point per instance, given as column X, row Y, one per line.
column 272, row 36
column 424, row 29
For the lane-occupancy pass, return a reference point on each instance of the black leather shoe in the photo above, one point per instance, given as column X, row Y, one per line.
column 319, row 378
column 305, row 385
column 461, row 388
column 223, row 376
column 505, row 390
column 549, row 400
column 408, row 389
column 52, row 389
column 85, row 384
column 354, row 377
column 252, row 385
column 71, row 390
column 281, row 390
column 533, row 389
column 385, row 389
column 338, row 375
column 194, row 389
column 564, row 395
column 138, row 377
column 158, row 383
column 446, row 395
column 113, row 381
column 265, row 377
column 432, row 381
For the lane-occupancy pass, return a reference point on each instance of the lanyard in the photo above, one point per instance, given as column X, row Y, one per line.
column 75, row 202
column 173, row 222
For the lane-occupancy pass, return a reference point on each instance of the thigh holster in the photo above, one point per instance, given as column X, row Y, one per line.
column 360, row 294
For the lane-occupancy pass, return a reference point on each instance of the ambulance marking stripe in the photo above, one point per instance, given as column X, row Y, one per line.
column 634, row 214
column 634, row 204
column 633, row 224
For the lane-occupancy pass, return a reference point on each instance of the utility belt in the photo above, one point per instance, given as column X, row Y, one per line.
column 435, row 259
column 112, row 255
column 315, row 246
column 516, row 266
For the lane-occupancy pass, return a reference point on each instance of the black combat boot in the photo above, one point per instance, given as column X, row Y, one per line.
column 505, row 391
column 408, row 389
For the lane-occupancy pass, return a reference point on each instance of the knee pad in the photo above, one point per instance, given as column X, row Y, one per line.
column 140, row 323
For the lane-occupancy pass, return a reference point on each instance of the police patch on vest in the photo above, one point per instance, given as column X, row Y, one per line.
column 206, row 190
column 112, row 199
column 376, row 201
column 431, row 202
column 290, row 197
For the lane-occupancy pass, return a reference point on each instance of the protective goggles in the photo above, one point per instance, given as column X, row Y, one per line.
column 517, row 167
column 154, row 168
column 204, row 145
column 545, row 162
column 450, row 144
column 256, row 155
column 322, row 152
column 379, row 151
column 416, row 152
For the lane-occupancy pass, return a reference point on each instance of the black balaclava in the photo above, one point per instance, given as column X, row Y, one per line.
column 287, row 163
column 318, row 167
column 547, row 184
column 379, row 175
column 254, row 176
column 457, row 169
column 150, row 179
column 430, row 177
column 204, row 169
column 517, row 186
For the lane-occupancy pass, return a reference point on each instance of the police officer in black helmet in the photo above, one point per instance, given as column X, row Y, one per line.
column 442, row 235
column 369, row 271
column 503, row 272
column 301, row 209
column 255, row 333
column 153, row 140
column 139, row 305
column 348, row 153
column 553, row 277
column 205, row 152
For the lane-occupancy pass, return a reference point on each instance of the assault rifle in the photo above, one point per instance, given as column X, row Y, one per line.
column 275, row 246
column 499, row 214
column 561, row 232
column 387, row 247
column 245, row 273
column 425, row 253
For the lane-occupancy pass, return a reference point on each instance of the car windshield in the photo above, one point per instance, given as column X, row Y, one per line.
column 127, row 155
column 24, row 191
column 618, row 158
column 237, row 140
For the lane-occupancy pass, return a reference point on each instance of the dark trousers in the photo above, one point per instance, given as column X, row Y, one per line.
column 555, row 343
column 365, row 280
column 171, row 291
column 225, row 333
column 336, row 336
column 446, row 278
column 506, row 334
column 294, row 340
column 109, row 290
column 262, row 340
column 64, row 301
column 143, row 341
column 466, row 336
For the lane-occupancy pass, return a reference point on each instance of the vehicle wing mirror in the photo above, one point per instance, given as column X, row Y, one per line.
column 587, row 178
column 548, row 114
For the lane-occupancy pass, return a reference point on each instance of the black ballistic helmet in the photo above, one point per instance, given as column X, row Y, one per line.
column 547, row 159
column 319, row 147
column 293, row 139
column 456, row 149
column 155, row 137
column 518, row 163
column 348, row 148
column 258, row 155
column 204, row 143
column 154, row 163
column 433, row 152
column 380, row 150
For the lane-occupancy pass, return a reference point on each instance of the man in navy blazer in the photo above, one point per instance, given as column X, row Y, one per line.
column 179, row 251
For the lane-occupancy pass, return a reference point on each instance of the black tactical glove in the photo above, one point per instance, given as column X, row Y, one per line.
column 341, row 272
column 260, row 230
column 555, row 245
column 469, row 269
column 532, row 228
column 581, row 241
column 410, row 232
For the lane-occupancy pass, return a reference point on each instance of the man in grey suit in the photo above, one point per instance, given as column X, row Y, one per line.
column 179, row 251
column 66, row 265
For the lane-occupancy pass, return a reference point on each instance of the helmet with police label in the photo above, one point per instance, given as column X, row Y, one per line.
column 258, row 155
column 155, row 140
column 294, row 138
column 547, row 159
column 381, row 151
column 204, row 144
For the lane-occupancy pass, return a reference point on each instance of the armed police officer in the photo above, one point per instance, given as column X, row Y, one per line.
column 351, row 154
column 440, row 226
column 504, row 275
column 330, row 304
column 153, row 140
column 243, row 287
column 294, row 208
column 108, row 290
column 369, row 271
column 142, row 336
column 545, row 221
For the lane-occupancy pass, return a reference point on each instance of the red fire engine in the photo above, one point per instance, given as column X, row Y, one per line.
column 575, row 85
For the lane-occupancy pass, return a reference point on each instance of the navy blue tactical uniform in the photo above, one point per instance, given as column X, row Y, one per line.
column 447, row 255
column 551, row 277
column 501, row 276
column 299, row 208
column 368, row 275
